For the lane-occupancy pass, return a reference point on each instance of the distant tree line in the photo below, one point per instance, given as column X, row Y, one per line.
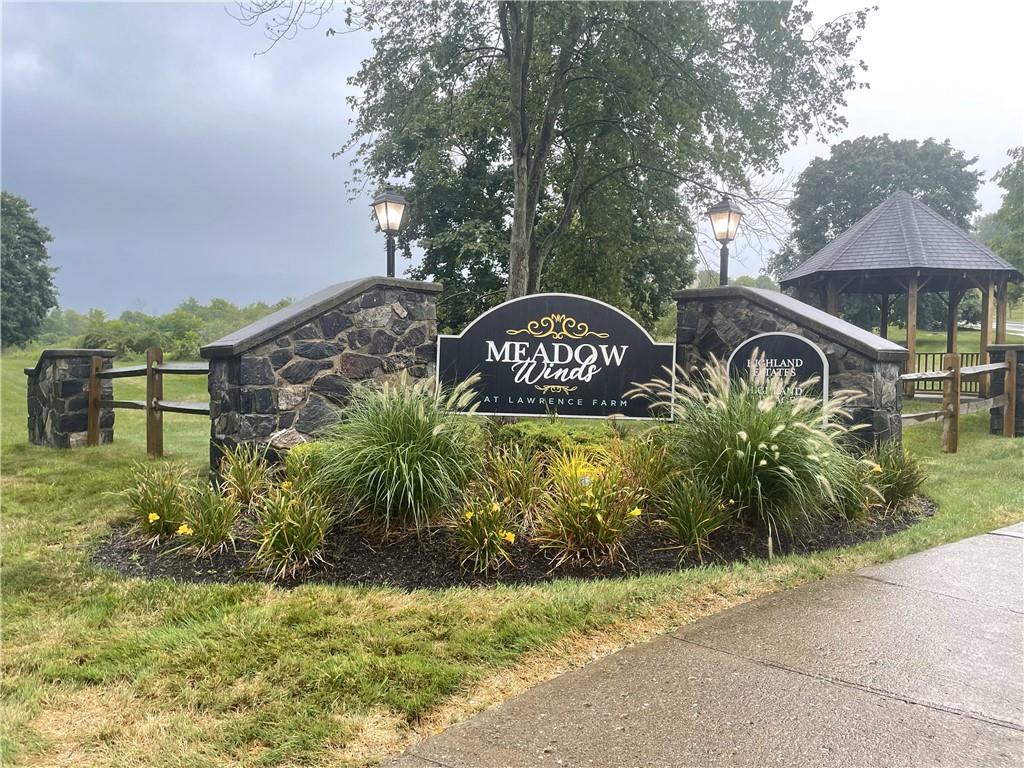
column 180, row 332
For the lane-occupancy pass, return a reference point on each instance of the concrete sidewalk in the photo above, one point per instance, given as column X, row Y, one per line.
column 917, row 662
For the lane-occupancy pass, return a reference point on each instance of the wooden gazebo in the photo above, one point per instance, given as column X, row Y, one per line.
column 904, row 247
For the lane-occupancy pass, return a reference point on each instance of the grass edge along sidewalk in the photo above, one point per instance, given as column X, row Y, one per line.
column 110, row 671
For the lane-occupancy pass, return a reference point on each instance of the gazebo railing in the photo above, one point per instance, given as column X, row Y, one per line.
column 933, row 361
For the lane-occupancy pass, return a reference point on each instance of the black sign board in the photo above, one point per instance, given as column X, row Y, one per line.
column 555, row 353
column 784, row 355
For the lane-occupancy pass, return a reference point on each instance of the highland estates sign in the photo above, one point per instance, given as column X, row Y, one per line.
column 555, row 353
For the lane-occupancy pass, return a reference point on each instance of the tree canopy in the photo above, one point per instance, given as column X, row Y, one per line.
column 545, row 144
column 832, row 194
column 26, row 277
column 1003, row 231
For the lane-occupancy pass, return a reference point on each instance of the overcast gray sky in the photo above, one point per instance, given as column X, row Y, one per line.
column 169, row 162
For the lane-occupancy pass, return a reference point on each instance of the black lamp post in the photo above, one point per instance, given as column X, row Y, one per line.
column 725, row 220
column 389, row 209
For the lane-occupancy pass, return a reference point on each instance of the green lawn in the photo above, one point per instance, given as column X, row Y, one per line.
column 107, row 671
column 935, row 341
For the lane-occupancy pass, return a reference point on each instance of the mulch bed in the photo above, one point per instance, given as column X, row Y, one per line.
column 433, row 562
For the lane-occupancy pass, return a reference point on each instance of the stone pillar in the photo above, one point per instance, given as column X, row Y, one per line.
column 997, row 386
column 58, row 398
column 283, row 379
column 712, row 322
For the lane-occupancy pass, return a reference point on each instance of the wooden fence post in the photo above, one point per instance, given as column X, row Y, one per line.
column 154, row 394
column 951, row 402
column 93, row 424
column 1010, row 390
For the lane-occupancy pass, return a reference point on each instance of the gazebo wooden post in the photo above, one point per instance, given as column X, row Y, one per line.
column 831, row 297
column 911, row 331
column 986, row 333
column 952, row 307
column 1001, row 303
column 883, row 323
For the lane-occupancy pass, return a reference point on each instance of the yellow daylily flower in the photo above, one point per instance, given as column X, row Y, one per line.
column 185, row 530
column 635, row 512
column 877, row 469
column 468, row 515
column 508, row 536
column 495, row 506
column 153, row 517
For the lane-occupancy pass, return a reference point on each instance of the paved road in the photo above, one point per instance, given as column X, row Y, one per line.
column 915, row 663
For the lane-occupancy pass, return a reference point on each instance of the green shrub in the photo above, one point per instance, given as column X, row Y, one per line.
column 289, row 531
column 515, row 474
column 209, row 520
column 401, row 453
column 246, row 474
column 484, row 529
column 302, row 461
column 764, row 450
column 588, row 510
column 155, row 498
column 555, row 434
column 897, row 474
column 692, row 508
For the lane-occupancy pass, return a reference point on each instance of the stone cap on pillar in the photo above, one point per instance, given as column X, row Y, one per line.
column 304, row 310
column 817, row 320
column 50, row 354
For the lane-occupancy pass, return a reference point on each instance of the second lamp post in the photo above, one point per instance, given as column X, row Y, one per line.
column 389, row 209
column 725, row 220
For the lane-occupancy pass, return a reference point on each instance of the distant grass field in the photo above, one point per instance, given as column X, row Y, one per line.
column 935, row 341
column 100, row 670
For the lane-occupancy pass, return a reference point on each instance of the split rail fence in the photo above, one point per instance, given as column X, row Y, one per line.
column 154, row 405
column 951, row 378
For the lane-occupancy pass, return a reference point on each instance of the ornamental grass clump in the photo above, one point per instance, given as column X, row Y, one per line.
column 692, row 509
column 764, row 448
column 289, row 530
column 515, row 474
column 848, row 484
column 155, row 498
column 246, row 473
column 209, row 520
column 588, row 509
column 896, row 474
column 644, row 460
column 484, row 529
column 401, row 452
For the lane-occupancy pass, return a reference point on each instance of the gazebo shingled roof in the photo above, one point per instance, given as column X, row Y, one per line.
column 899, row 236
column 904, row 247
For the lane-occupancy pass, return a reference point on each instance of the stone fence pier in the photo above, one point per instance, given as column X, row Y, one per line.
column 715, row 321
column 283, row 378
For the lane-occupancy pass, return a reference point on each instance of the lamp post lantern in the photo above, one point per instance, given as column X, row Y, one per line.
column 725, row 220
column 389, row 209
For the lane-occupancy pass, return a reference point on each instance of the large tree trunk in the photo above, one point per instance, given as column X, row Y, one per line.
column 525, row 259
column 518, row 41
column 522, row 235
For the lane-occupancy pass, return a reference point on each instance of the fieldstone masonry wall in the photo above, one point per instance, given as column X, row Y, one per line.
column 58, row 398
column 715, row 321
column 282, row 379
column 997, row 354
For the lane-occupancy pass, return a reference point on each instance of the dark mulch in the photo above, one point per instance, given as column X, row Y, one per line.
column 433, row 562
